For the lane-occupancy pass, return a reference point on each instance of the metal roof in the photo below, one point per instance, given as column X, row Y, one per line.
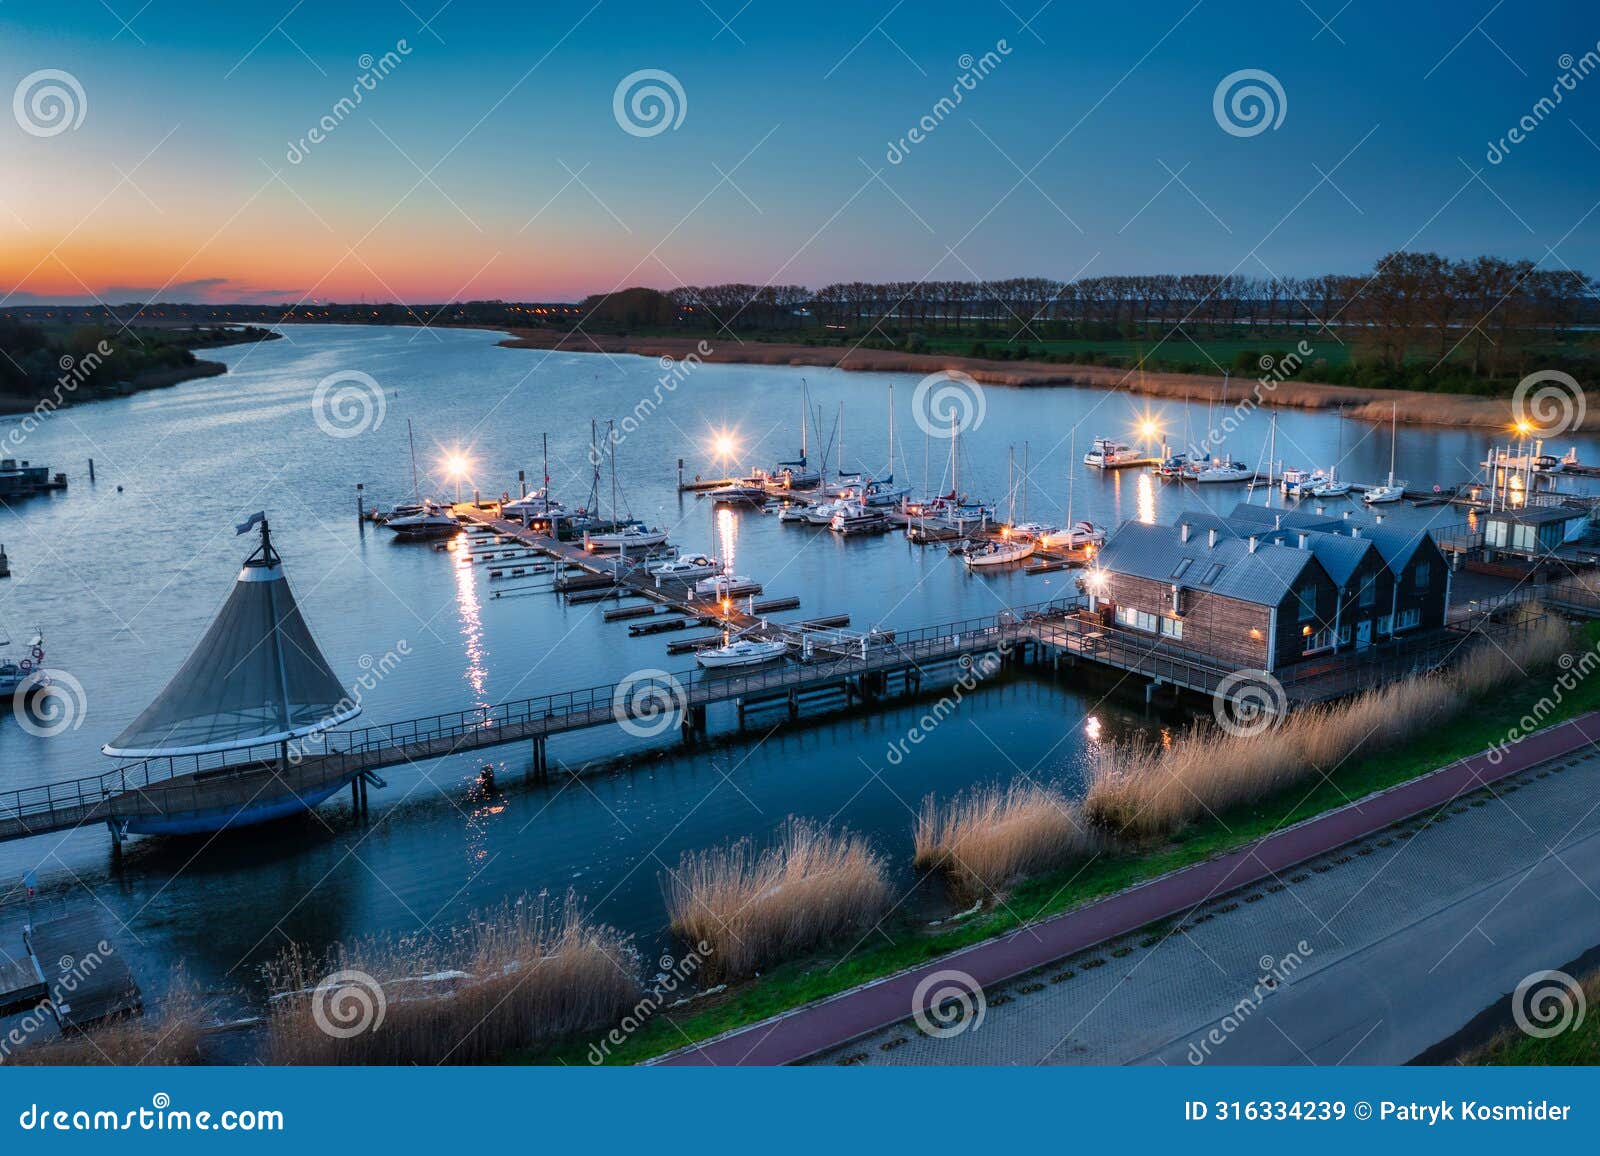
column 1228, row 568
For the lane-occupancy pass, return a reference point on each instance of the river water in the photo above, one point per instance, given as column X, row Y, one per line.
column 123, row 575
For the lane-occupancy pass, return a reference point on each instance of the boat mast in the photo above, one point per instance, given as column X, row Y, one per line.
column 594, row 477
column 1011, row 486
column 546, row 470
column 1072, row 461
column 416, row 490
column 805, row 419
column 1392, row 433
column 1025, row 468
column 890, row 478
column 611, row 452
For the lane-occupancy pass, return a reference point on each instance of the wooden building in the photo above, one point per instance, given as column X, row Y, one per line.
column 1266, row 589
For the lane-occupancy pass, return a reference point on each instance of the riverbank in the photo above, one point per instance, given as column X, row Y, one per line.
column 1410, row 406
column 805, row 983
column 106, row 376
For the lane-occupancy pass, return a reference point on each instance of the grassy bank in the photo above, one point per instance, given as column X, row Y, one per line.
column 905, row 944
column 1576, row 1045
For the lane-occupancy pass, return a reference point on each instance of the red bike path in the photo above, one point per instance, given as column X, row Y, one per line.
column 838, row 1019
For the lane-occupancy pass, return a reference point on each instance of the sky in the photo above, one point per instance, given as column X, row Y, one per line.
column 494, row 159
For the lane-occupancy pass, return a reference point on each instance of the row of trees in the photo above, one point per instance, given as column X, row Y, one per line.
column 1411, row 304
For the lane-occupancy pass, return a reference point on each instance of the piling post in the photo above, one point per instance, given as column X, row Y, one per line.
column 361, row 512
column 91, row 471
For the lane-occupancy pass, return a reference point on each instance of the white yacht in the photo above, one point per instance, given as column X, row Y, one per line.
column 741, row 652
column 631, row 536
column 1106, row 454
column 855, row 518
column 1296, row 482
column 997, row 554
column 686, row 568
column 746, row 492
column 1225, row 470
column 1082, row 533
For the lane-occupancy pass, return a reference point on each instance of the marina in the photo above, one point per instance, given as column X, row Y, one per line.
column 493, row 602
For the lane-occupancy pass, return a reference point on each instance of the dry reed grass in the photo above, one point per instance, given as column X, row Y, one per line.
column 167, row 1034
column 754, row 909
column 1142, row 790
column 526, row 973
column 992, row 836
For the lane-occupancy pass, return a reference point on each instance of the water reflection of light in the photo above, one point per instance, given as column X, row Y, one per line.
column 470, row 609
column 1514, row 490
column 1146, row 500
column 727, row 537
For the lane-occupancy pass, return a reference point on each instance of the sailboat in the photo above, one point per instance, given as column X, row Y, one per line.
column 737, row 651
column 420, row 517
column 797, row 474
column 628, row 535
column 1330, row 486
column 1080, row 533
column 1391, row 491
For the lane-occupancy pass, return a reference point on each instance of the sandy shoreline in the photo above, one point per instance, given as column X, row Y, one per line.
column 1411, row 406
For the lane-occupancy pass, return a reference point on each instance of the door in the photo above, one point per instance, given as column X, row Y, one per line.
column 1364, row 634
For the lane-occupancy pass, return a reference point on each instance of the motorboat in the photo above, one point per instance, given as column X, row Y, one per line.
column 1378, row 495
column 1330, row 487
column 1029, row 531
column 431, row 521
column 14, row 673
column 719, row 585
column 1106, row 454
column 1298, row 482
column 1081, row 534
column 537, row 506
column 1176, row 468
column 629, row 536
column 1538, row 461
column 997, row 554
column 794, row 512
column 855, row 518
column 685, row 568
column 741, row 652
column 1225, row 470
column 822, row 513
column 750, row 491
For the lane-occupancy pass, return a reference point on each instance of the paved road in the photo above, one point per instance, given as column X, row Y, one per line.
column 1309, row 885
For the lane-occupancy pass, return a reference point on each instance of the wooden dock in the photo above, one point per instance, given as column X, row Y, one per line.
column 86, row 978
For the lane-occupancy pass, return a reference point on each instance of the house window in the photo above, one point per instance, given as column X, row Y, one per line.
column 1421, row 575
column 1344, row 635
column 1386, row 624
column 1211, row 574
column 1137, row 619
column 1320, row 640
column 1308, row 603
column 1182, row 568
column 1406, row 619
column 1172, row 627
column 1495, row 533
column 1369, row 590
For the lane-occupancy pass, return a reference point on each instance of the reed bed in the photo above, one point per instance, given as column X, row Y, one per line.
column 527, row 973
column 166, row 1034
column 992, row 836
column 1142, row 790
column 753, row 909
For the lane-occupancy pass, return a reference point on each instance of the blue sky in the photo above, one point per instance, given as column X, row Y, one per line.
column 180, row 180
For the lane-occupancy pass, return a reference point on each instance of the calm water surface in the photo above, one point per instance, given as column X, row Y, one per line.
column 123, row 576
